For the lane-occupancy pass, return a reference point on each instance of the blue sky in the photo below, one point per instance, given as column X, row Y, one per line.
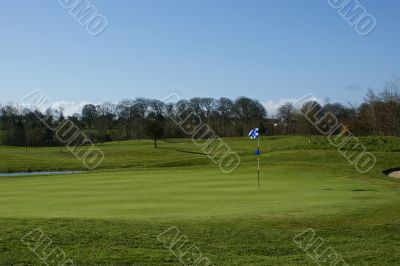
column 268, row 50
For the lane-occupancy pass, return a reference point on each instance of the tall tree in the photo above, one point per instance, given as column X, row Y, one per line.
column 155, row 127
column 89, row 115
column 224, row 108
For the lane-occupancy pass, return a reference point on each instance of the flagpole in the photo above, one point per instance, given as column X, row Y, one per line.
column 258, row 162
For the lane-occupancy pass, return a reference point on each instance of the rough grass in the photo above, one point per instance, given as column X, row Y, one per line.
column 113, row 215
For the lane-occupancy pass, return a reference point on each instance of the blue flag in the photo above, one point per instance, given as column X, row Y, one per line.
column 254, row 133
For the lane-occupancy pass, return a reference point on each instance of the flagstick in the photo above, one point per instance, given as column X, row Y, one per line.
column 258, row 162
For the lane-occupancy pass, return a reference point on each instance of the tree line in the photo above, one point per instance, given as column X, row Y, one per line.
column 141, row 118
column 377, row 115
column 138, row 118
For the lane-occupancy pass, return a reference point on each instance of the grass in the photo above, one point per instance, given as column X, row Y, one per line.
column 172, row 153
column 114, row 214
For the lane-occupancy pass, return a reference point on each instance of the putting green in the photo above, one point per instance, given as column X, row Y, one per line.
column 189, row 193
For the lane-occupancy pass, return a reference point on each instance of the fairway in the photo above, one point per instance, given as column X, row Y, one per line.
column 113, row 215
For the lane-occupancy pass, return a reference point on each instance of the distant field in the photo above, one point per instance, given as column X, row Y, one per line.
column 114, row 214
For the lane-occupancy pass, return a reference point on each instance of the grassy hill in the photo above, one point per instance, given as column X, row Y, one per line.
column 113, row 215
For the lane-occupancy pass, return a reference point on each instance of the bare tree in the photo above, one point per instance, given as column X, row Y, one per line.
column 371, row 99
column 285, row 113
column 224, row 108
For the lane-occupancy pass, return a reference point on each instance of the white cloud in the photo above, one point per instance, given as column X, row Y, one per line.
column 272, row 106
column 71, row 107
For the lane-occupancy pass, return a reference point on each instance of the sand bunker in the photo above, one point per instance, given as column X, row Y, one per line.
column 394, row 172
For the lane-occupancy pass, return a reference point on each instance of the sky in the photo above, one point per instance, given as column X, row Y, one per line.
column 270, row 50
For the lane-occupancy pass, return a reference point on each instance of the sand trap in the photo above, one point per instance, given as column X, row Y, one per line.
column 395, row 174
